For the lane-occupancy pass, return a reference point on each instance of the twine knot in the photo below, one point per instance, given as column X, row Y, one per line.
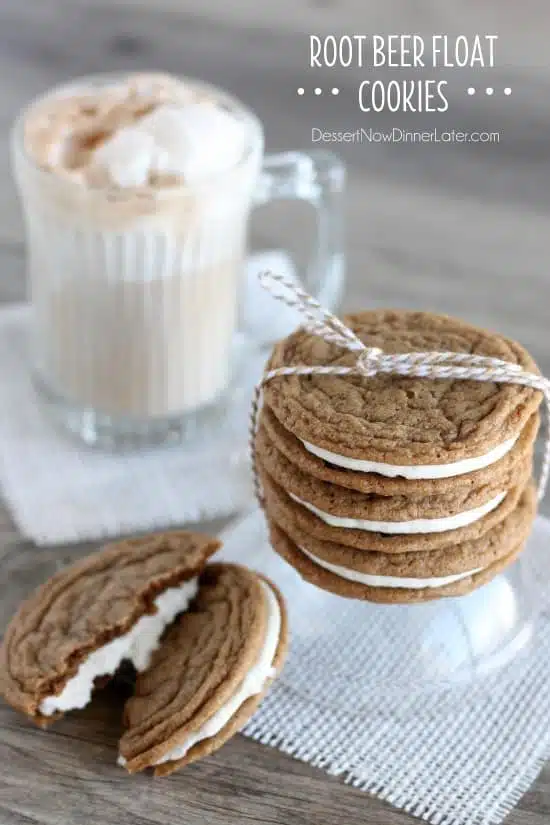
column 368, row 362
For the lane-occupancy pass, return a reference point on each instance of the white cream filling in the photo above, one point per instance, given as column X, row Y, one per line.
column 415, row 471
column 252, row 684
column 137, row 645
column 388, row 581
column 420, row 525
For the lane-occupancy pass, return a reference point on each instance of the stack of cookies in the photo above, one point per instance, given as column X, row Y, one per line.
column 397, row 489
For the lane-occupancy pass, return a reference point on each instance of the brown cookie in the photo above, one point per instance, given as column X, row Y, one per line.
column 393, row 420
column 311, row 524
column 327, row 580
column 348, row 503
column 210, row 673
column 469, row 555
column 82, row 622
column 274, row 441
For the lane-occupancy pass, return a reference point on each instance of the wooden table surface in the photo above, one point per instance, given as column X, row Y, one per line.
column 459, row 228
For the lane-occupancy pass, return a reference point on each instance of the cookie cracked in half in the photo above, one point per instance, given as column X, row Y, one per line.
column 86, row 620
column 209, row 674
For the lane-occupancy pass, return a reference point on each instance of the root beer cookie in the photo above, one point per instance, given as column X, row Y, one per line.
column 409, row 427
column 209, row 674
column 83, row 622
column 274, row 441
column 368, row 538
column 404, row 512
column 327, row 579
column 390, row 569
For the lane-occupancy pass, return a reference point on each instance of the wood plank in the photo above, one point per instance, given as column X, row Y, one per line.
column 459, row 228
column 75, row 782
column 521, row 27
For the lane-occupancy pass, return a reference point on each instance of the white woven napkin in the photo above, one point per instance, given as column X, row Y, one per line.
column 460, row 756
column 59, row 492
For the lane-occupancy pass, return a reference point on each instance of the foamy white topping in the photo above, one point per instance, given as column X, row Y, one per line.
column 136, row 645
column 414, row 471
column 253, row 683
column 421, row 525
column 190, row 142
column 388, row 581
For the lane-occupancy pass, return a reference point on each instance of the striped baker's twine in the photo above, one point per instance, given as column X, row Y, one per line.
column 373, row 361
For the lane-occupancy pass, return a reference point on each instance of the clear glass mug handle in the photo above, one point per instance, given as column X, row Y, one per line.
column 318, row 178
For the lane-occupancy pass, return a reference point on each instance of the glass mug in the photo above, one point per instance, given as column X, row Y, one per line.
column 137, row 294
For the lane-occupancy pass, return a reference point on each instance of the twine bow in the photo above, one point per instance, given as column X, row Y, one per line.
column 373, row 361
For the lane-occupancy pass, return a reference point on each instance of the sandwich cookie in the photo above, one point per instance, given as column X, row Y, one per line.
column 413, row 428
column 400, row 576
column 209, row 674
column 274, row 442
column 398, row 514
column 365, row 536
column 328, row 580
column 82, row 623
